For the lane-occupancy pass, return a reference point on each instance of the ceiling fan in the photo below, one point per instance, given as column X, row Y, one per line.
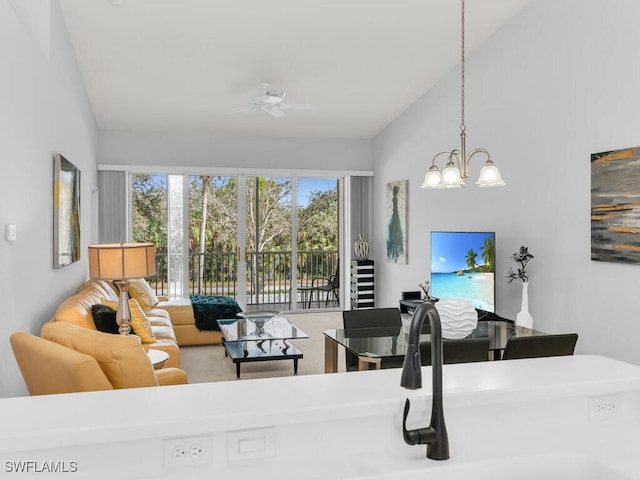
column 271, row 102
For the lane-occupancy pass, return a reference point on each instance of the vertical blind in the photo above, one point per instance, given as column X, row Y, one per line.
column 113, row 194
column 361, row 210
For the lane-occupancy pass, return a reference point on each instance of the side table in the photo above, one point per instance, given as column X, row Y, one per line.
column 158, row 358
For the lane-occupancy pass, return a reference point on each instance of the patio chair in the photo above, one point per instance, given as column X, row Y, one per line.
column 330, row 285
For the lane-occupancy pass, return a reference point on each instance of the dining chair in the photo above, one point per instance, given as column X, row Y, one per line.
column 465, row 350
column 540, row 346
column 371, row 318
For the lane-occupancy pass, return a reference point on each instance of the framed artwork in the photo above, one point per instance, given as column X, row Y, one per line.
column 66, row 212
column 396, row 224
column 615, row 206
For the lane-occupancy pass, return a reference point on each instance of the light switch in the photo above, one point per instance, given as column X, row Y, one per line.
column 252, row 444
column 11, row 233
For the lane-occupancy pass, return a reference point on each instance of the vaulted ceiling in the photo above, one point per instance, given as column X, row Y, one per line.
column 183, row 65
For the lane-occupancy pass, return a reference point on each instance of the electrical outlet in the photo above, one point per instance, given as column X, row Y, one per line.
column 10, row 231
column 604, row 407
column 188, row 451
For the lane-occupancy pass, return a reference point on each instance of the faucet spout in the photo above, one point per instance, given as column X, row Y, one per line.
column 435, row 435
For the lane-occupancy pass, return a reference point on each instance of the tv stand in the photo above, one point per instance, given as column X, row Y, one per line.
column 409, row 306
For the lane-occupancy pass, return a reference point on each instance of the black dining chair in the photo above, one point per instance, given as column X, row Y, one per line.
column 540, row 346
column 465, row 350
column 371, row 318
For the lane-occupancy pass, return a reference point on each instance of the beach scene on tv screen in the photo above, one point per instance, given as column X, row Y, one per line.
column 463, row 266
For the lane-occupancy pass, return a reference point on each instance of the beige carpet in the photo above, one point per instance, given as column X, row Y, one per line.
column 207, row 363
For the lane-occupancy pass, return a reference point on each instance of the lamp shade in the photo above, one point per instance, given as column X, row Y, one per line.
column 490, row 176
column 120, row 261
column 432, row 179
column 451, row 177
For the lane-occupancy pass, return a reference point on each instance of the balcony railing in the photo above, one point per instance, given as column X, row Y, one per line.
column 269, row 283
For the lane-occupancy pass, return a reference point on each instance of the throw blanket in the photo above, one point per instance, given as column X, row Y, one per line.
column 207, row 309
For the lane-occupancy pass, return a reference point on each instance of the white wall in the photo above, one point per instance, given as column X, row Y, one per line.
column 44, row 110
column 225, row 151
column 557, row 83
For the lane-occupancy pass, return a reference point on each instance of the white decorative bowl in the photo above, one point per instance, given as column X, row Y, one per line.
column 458, row 317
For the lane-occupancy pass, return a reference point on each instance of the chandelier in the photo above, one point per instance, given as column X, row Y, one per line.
column 456, row 170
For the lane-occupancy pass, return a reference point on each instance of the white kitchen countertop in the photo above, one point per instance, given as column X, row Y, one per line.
column 78, row 419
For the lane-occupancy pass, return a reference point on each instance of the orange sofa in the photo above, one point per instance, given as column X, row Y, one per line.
column 68, row 358
column 76, row 310
column 171, row 320
column 184, row 324
column 71, row 355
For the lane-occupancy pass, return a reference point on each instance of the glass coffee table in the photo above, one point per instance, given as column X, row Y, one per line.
column 259, row 337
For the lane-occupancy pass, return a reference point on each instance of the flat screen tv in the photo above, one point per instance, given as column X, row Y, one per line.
column 463, row 266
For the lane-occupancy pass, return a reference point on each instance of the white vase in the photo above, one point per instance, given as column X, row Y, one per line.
column 524, row 318
column 458, row 318
column 361, row 248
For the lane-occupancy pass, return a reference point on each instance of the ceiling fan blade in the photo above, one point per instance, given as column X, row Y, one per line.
column 240, row 111
column 275, row 112
column 271, row 101
column 297, row 106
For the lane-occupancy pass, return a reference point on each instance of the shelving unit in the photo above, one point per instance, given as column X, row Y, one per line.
column 362, row 284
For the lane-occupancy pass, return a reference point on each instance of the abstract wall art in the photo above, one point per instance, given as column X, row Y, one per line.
column 396, row 224
column 615, row 206
column 66, row 212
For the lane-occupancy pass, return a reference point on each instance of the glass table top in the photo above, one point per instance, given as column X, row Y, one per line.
column 274, row 328
column 392, row 341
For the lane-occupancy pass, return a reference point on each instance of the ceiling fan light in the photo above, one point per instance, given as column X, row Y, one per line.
column 432, row 178
column 451, row 177
column 490, row 176
column 274, row 98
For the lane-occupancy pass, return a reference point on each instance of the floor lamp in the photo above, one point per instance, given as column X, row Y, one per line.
column 120, row 262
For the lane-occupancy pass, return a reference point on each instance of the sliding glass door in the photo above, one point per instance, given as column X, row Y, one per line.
column 149, row 221
column 317, row 252
column 269, row 242
column 213, row 235
column 269, row 227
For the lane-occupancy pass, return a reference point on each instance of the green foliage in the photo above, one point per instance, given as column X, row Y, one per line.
column 318, row 222
column 488, row 254
column 268, row 216
column 149, row 209
column 471, row 258
column 222, row 217
column 213, row 226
